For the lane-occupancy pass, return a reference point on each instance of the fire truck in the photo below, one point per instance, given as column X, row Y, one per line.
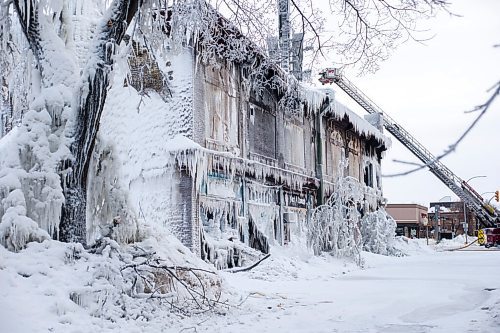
column 489, row 237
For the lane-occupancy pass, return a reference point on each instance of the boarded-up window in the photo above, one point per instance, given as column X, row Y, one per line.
column 221, row 105
column 262, row 131
column 294, row 145
column 354, row 165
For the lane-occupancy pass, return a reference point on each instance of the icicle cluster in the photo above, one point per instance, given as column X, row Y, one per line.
column 198, row 161
column 228, row 238
column 108, row 206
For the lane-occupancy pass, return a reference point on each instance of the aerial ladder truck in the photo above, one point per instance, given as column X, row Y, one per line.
column 487, row 215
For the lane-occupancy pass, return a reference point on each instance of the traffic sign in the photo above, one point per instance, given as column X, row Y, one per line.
column 480, row 237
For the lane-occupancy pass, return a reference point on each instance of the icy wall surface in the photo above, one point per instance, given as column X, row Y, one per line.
column 137, row 131
column 315, row 97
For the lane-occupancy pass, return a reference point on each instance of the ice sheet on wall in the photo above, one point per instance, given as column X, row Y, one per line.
column 294, row 145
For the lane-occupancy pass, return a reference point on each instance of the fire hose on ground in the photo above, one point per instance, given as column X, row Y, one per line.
column 463, row 247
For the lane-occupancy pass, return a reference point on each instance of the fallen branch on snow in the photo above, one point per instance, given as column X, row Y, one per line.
column 244, row 269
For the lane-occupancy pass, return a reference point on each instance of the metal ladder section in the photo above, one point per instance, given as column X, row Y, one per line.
column 485, row 213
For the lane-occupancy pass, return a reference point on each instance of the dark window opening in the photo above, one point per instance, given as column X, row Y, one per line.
column 368, row 177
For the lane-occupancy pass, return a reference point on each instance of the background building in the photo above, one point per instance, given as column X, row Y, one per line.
column 409, row 219
column 450, row 218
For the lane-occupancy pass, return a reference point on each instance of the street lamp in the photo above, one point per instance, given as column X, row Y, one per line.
column 466, row 226
column 471, row 178
column 489, row 200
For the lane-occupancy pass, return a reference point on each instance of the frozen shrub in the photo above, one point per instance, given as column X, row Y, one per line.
column 378, row 230
column 334, row 225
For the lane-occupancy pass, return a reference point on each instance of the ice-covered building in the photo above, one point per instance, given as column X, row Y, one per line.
column 222, row 152
column 217, row 160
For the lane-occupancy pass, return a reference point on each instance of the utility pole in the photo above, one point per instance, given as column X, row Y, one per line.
column 436, row 217
column 466, row 226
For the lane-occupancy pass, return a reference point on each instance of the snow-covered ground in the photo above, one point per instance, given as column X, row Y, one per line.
column 428, row 291
column 431, row 290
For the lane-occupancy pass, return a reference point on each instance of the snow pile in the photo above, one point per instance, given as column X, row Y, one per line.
column 378, row 230
column 294, row 264
column 148, row 285
column 404, row 246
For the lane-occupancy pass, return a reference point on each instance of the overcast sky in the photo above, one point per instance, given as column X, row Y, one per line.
column 427, row 88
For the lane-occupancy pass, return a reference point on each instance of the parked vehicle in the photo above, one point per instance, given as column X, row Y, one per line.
column 489, row 237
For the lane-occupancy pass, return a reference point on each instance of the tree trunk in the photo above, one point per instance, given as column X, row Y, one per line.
column 73, row 224
column 91, row 102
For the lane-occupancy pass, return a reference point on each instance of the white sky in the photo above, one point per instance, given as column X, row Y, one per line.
column 427, row 88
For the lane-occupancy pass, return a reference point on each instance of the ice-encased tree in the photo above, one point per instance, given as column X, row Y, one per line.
column 334, row 226
column 378, row 230
column 344, row 32
column 65, row 99
column 339, row 228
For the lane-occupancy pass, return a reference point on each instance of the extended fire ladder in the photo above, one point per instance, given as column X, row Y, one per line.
column 485, row 213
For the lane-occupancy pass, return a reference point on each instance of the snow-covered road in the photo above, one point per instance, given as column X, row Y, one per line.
column 432, row 292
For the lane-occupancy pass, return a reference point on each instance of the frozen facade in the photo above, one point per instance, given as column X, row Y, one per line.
column 224, row 158
column 233, row 164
